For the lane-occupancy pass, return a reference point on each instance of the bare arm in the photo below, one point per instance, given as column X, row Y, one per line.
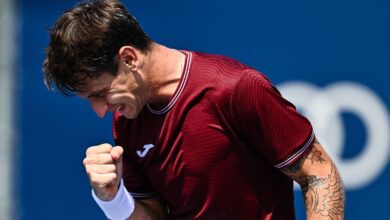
column 149, row 209
column 320, row 182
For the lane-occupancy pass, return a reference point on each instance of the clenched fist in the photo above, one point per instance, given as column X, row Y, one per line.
column 103, row 164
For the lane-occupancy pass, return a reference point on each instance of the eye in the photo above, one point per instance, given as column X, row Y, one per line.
column 98, row 94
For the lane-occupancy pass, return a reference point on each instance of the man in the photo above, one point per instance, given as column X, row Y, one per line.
column 198, row 136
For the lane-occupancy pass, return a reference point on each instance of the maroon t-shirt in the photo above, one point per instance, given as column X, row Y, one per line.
column 215, row 151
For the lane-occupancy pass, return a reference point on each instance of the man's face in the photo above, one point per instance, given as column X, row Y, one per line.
column 124, row 93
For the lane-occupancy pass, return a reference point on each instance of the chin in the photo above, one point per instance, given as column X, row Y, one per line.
column 131, row 115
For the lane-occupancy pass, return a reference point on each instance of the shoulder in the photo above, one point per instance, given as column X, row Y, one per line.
column 226, row 70
column 216, row 73
column 216, row 62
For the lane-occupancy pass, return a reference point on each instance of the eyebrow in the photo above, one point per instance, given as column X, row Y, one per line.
column 99, row 92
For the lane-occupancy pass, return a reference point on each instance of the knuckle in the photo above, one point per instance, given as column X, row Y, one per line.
column 89, row 168
column 102, row 148
column 89, row 151
column 90, row 171
column 113, row 177
column 101, row 169
column 106, row 147
column 96, row 169
column 112, row 168
column 86, row 161
column 93, row 178
column 105, row 159
column 96, row 179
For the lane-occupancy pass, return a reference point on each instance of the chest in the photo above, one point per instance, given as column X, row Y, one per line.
column 180, row 145
column 183, row 153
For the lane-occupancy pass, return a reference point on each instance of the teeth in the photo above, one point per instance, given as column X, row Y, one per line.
column 120, row 110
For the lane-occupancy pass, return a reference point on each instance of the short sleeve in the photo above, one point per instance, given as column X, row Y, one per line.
column 267, row 122
column 134, row 178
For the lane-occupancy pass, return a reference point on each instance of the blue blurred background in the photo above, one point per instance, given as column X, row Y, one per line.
column 331, row 58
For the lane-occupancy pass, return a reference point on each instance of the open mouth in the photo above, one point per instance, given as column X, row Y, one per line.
column 121, row 110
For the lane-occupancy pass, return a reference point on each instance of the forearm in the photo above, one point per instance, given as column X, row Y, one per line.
column 324, row 195
column 145, row 210
column 125, row 206
column 320, row 182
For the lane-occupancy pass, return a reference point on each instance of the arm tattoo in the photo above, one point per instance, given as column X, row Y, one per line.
column 324, row 196
column 314, row 155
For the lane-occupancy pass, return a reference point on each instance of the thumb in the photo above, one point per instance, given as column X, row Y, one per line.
column 116, row 153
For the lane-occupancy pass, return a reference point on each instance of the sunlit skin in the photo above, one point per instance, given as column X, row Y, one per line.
column 137, row 82
column 121, row 93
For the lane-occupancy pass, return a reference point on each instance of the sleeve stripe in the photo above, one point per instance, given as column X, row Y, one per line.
column 297, row 154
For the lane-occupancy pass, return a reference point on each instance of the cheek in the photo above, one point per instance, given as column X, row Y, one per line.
column 120, row 99
column 133, row 104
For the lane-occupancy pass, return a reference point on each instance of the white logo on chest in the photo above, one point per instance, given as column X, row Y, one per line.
column 143, row 153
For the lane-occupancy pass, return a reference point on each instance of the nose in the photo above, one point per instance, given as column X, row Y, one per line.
column 100, row 106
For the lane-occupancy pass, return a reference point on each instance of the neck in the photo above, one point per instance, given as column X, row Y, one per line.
column 164, row 68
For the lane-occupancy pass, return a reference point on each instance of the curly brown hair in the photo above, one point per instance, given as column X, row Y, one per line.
column 84, row 43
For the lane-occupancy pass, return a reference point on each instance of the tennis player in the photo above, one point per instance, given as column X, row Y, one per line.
column 198, row 136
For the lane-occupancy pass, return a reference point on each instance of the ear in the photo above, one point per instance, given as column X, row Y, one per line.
column 130, row 56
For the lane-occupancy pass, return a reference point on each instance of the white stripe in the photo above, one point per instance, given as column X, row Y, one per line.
column 179, row 90
column 297, row 154
column 7, row 145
